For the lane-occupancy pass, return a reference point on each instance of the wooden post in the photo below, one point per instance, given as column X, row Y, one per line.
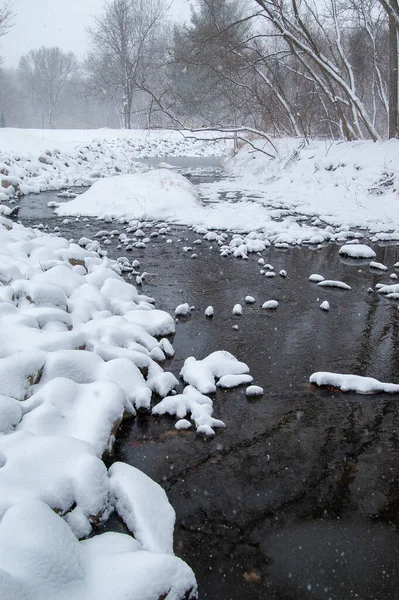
column 393, row 79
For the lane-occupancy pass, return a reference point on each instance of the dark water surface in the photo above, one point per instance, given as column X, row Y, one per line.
column 299, row 496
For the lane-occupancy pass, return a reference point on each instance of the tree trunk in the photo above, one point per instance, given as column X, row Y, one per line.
column 393, row 79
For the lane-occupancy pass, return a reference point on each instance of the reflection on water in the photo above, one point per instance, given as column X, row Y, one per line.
column 299, row 496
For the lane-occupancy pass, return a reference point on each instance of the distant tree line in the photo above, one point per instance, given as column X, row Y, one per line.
column 283, row 67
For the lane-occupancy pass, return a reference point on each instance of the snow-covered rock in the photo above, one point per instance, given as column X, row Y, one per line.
column 254, row 390
column 353, row 383
column 357, row 251
column 332, row 283
column 270, row 304
column 182, row 310
column 237, row 309
column 201, row 374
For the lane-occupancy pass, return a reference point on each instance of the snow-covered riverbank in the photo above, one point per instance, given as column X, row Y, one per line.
column 310, row 192
column 34, row 160
column 343, row 184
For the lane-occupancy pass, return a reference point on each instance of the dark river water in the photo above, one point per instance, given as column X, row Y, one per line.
column 298, row 498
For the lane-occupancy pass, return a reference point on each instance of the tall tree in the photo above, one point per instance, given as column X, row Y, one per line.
column 46, row 71
column 125, row 49
column 392, row 9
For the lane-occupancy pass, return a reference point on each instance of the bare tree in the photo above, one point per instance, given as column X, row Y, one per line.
column 46, row 72
column 125, row 49
column 392, row 9
column 6, row 16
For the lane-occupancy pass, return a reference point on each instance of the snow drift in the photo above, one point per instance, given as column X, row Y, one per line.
column 160, row 194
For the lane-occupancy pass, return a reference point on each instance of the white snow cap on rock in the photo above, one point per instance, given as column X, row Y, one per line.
column 254, row 390
column 357, row 251
column 377, row 265
column 332, row 283
column 192, row 402
column 353, row 383
column 316, row 278
column 202, row 374
column 270, row 304
column 182, row 310
column 237, row 309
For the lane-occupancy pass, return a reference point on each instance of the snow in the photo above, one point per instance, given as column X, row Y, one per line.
column 325, row 305
column 38, row 160
column 316, row 278
column 339, row 183
column 62, row 471
column 81, row 348
column 76, row 342
column 237, row 309
column 270, row 304
column 353, row 383
column 254, row 390
column 191, row 401
column 377, row 265
column 160, row 194
column 143, row 506
column 52, row 563
column 86, row 411
column 357, row 251
column 337, row 187
column 201, row 374
column 231, row 381
column 332, row 283
column 182, row 310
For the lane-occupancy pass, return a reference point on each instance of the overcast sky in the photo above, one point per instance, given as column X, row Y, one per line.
column 60, row 23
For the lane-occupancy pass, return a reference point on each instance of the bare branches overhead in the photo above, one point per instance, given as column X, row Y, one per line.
column 7, row 15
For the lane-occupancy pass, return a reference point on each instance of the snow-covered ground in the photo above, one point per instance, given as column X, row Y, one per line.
column 35, row 160
column 343, row 184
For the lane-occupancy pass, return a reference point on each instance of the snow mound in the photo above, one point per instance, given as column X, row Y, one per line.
column 377, row 265
column 78, row 355
column 202, row 374
column 353, row 383
column 270, row 304
column 357, row 251
column 316, row 278
column 41, row 558
column 191, row 401
column 143, row 506
column 90, row 412
column 232, row 381
column 254, row 390
column 158, row 195
column 325, row 305
column 61, row 471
